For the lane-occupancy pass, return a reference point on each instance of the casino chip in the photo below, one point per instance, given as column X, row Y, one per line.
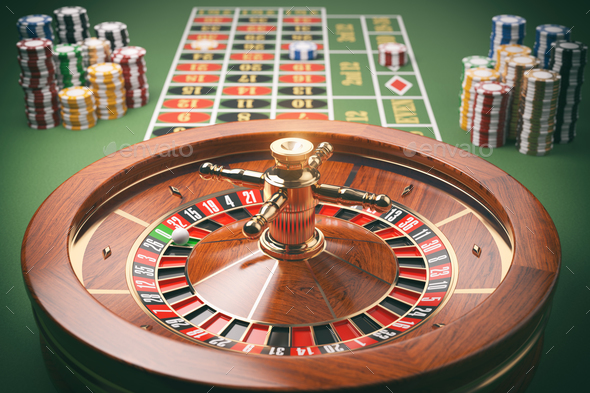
column 517, row 66
column 38, row 82
column 97, row 50
column 472, row 77
column 538, row 106
column 569, row 60
column 503, row 51
column 115, row 32
column 475, row 62
column 78, row 108
column 35, row 26
column 491, row 101
column 73, row 25
column 204, row 44
column 70, row 68
column 107, row 83
column 303, row 50
column 392, row 54
column 547, row 35
column 132, row 62
column 506, row 30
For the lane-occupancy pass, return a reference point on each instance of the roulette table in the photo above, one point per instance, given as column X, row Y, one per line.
column 449, row 282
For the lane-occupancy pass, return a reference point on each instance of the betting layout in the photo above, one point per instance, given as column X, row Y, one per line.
column 248, row 75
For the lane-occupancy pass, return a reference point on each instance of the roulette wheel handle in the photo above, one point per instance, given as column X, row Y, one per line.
column 350, row 197
column 268, row 212
column 323, row 152
column 239, row 177
column 286, row 221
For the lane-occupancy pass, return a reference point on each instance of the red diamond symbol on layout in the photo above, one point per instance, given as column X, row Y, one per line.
column 398, row 85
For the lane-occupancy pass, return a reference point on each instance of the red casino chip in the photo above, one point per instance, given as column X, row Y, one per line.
column 392, row 54
column 35, row 48
column 492, row 88
column 43, row 126
column 137, row 92
column 128, row 54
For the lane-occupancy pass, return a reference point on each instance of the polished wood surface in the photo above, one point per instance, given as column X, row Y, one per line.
column 230, row 273
column 485, row 271
column 481, row 330
column 97, row 272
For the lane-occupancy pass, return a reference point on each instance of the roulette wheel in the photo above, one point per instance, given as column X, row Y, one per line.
column 282, row 255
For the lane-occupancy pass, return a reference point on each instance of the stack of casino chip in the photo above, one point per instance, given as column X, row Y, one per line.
column 132, row 62
column 506, row 30
column 472, row 77
column 547, row 35
column 392, row 54
column 115, row 32
column 538, row 106
column 490, row 114
column 504, row 51
column 38, row 82
column 35, row 26
column 517, row 67
column 303, row 50
column 70, row 67
column 569, row 60
column 72, row 24
column 97, row 50
column 475, row 61
column 84, row 50
column 78, row 108
column 107, row 83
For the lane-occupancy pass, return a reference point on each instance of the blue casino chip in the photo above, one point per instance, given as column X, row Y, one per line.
column 506, row 29
column 35, row 26
column 545, row 36
column 303, row 50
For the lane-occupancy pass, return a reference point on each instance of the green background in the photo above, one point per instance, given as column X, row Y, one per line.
column 33, row 163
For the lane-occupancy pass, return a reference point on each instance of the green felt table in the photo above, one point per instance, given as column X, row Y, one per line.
column 35, row 162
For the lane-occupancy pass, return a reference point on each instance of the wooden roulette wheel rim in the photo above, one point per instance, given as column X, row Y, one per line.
column 116, row 354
